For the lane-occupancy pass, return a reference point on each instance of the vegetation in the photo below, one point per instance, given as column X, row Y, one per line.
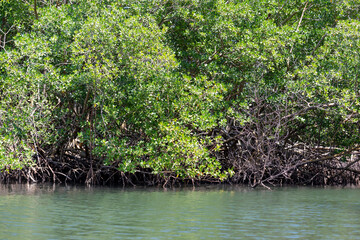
column 157, row 91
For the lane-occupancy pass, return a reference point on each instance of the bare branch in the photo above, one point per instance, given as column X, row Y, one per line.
column 3, row 42
column 304, row 110
column 302, row 15
column 313, row 161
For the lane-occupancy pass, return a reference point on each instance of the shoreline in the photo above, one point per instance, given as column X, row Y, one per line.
column 49, row 171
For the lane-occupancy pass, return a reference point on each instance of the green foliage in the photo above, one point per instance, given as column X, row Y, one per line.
column 107, row 79
column 332, row 76
column 15, row 16
column 155, row 84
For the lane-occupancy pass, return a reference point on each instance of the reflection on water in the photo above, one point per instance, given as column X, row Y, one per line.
column 213, row 212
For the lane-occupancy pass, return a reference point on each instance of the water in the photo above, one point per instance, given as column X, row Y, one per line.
column 216, row 212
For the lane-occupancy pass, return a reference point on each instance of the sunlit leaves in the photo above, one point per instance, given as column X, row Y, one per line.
column 152, row 84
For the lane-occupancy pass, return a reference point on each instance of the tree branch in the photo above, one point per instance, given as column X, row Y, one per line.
column 35, row 10
column 356, row 148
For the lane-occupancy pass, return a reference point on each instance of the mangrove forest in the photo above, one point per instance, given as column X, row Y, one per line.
column 164, row 92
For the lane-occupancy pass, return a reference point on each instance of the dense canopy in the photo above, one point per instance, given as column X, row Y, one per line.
column 157, row 91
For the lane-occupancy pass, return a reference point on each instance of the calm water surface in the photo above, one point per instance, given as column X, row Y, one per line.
column 221, row 212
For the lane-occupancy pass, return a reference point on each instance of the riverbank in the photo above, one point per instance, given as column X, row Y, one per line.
column 82, row 171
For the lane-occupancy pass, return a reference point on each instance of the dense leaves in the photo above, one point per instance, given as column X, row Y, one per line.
column 181, row 89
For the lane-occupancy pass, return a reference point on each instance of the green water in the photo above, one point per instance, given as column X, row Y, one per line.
column 221, row 212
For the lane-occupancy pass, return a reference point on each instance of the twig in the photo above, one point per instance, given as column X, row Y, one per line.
column 309, row 162
column 302, row 15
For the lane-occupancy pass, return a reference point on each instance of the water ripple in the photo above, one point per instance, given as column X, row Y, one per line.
column 53, row 212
